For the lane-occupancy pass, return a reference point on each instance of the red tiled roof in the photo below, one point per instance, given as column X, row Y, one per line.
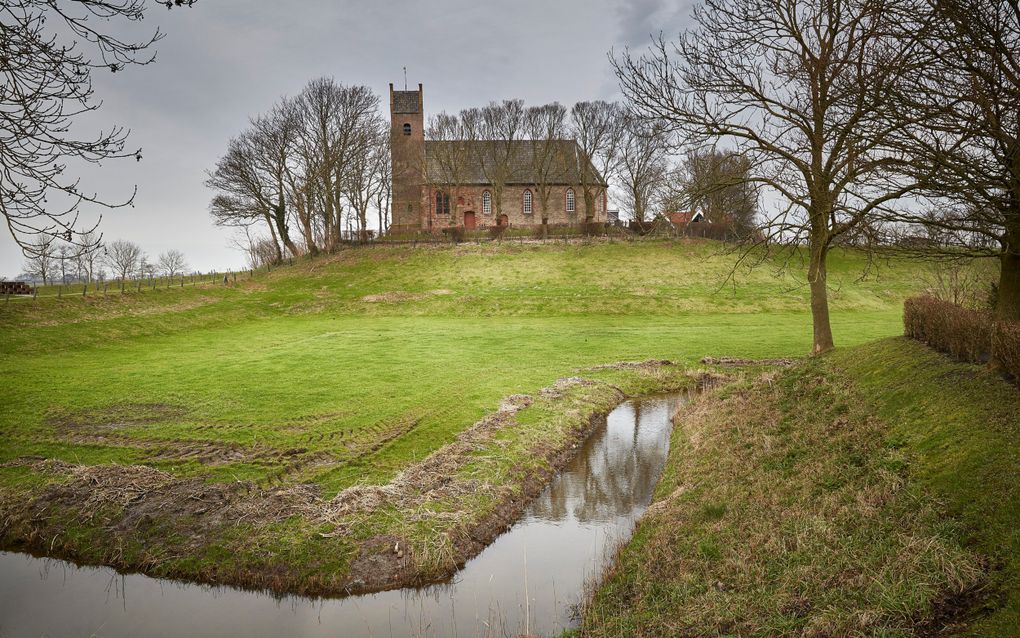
column 681, row 219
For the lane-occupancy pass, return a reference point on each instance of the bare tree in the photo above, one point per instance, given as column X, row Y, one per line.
column 122, row 257
column 89, row 249
column 258, row 249
column 363, row 180
column 643, row 165
column 963, row 122
column 718, row 185
column 249, row 180
column 334, row 120
column 546, row 126
column 383, row 195
column 171, row 263
column 50, row 51
column 39, row 259
column 598, row 129
column 801, row 89
column 451, row 150
column 63, row 256
column 499, row 127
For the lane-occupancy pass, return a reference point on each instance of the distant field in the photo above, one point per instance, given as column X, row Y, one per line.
column 409, row 345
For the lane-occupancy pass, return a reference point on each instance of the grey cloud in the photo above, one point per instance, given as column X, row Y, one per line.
column 223, row 61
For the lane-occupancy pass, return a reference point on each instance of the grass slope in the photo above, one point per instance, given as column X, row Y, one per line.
column 868, row 492
column 346, row 370
column 384, row 337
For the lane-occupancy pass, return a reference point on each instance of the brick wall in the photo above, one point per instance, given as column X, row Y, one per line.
column 469, row 199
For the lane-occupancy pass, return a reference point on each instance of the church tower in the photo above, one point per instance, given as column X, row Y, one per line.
column 407, row 154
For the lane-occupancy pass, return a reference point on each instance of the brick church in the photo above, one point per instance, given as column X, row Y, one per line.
column 439, row 184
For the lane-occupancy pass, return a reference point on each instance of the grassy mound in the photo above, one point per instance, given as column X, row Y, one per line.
column 350, row 369
column 377, row 357
column 870, row 492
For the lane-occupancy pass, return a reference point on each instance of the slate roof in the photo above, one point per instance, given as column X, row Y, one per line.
column 405, row 102
column 478, row 159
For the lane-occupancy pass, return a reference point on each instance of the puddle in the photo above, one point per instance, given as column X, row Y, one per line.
column 527, row 581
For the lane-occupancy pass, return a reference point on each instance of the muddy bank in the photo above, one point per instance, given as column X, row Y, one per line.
column 527, row 582
column 417, row 529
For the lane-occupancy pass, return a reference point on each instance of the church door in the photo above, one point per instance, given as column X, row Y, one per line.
column 504, row 220
column 469, row 220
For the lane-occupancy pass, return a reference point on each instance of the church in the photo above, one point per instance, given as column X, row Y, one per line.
column 440, row 184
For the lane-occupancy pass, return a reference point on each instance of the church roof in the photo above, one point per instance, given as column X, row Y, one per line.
column 405, row 101
column 476, row 162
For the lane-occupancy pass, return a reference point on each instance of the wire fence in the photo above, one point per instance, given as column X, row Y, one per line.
column 109, row 287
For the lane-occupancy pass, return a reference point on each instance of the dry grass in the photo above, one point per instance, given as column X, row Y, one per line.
column 783, row 511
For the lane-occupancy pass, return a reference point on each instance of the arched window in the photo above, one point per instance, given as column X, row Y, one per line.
column 571, row 203
column 407, row 129
column 486, row 203
column 526, row 203
column 442, row 203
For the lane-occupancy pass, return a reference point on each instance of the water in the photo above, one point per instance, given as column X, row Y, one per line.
column 528, row 580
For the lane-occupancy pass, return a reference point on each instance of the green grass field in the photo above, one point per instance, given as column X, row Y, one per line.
column 350, row 370
column 377, row 337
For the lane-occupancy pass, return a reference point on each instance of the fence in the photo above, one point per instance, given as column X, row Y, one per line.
column 122, row 287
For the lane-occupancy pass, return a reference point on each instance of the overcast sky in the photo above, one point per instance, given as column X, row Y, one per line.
column 225, row 60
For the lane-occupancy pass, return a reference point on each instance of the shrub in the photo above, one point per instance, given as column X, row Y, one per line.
column 1006, row 346
column 454, row 233
column 496, row 232
column 947, row 327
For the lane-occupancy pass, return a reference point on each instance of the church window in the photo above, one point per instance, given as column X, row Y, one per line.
column 407, row 129
column 486, row 203
column 571, row 203
column 442, row 203
column 527, row 202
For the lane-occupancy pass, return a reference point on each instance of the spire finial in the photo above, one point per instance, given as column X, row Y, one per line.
column 405, row 78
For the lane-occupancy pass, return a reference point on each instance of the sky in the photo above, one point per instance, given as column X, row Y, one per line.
column 223, row 61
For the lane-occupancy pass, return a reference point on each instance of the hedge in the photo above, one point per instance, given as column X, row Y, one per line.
column 967, row 334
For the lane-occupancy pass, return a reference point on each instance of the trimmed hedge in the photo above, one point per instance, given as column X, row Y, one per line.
column 967, row 334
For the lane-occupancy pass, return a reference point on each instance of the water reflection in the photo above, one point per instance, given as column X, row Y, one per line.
column 527, row 580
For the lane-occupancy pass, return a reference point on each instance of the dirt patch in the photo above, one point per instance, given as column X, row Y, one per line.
column 115, row 416
column 734, row 362
column 394, row 297
column 650, row 363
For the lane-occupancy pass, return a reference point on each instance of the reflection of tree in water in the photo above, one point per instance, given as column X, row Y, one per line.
column 616, row 469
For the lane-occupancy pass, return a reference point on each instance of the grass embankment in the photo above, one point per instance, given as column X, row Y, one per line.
column 869, row 492
column 347, row 370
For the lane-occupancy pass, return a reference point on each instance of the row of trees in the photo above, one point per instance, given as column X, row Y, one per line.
column 633, row 154
column 312, row 166
column 89, row 260
column 319, row 162
column 866, row 119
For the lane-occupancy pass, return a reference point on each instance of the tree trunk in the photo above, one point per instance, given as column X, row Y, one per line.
column 1007, row 305
column 817, row 279
column 276, row 241
column 280, row 214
